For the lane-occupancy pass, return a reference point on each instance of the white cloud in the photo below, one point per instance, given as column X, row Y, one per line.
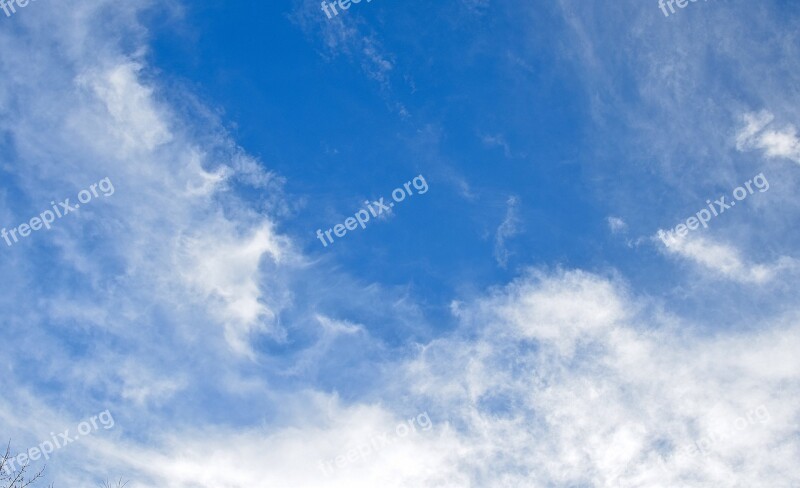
column 135, row 120
column 558, row 320
column 782, row 143
column 172, row 224
column 507, row 229
column 223, row 266
column 142, row 385
column 574, row 383
column 499, row 141
column 616, row 225
column 346, row 35
column 558, row 379
column 303, row 456
column 725, row 261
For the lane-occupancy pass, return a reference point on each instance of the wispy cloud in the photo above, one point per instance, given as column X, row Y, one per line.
column 726, row 261
column 507, row 229
column 775, row 143
column 616, row 225
column 184, row 307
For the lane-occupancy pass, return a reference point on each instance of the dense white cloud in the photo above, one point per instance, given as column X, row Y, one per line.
column 561, row 379
column 573, row 382
column 305, row 456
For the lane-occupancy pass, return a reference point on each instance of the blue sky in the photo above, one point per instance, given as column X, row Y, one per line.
column 524, row 303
